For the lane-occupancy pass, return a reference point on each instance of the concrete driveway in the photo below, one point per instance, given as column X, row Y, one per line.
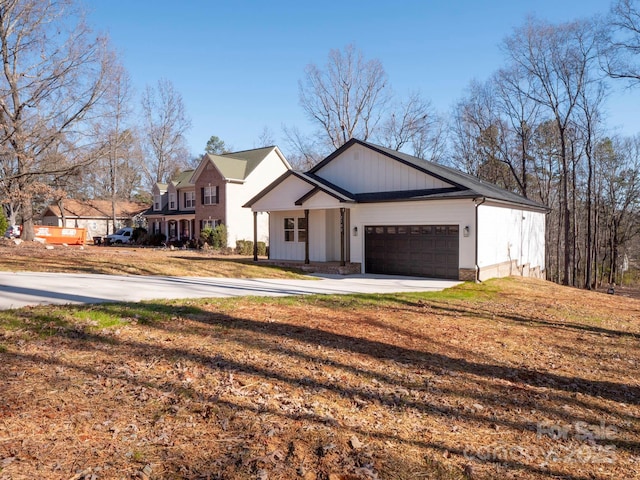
column 30, row 288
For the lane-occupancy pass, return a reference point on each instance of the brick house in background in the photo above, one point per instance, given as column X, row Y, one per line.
column 214, row 193
column 173, row 209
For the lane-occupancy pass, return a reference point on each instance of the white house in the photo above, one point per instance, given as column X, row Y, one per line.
column 392, row 213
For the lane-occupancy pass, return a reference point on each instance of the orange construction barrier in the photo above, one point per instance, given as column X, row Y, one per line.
column 60, row 235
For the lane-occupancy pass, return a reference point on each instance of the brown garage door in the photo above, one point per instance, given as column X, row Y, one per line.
column 420, row 250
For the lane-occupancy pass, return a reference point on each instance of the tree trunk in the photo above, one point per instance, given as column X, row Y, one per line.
column 588, row 272
column 566, row 221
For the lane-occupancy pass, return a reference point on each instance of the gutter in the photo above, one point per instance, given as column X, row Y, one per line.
column 477, row 204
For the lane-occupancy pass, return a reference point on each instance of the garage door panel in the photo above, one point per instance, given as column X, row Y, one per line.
column 419, row 250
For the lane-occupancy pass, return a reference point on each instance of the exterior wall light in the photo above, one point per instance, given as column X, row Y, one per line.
column 466, row 230
column 355, row 231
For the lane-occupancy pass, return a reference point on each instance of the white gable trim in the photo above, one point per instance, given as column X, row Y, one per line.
column 319, row 199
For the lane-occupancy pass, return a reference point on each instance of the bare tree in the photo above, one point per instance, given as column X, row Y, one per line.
column 303, row 152
column 623, row 42
column 620, row 171
column 119, row 98
column 266, row 138
column 485, row 144
column 347, row 98
column 557, row 59
column 165, row 123
column 53, row 76
column 414, row 123
column 514, row 92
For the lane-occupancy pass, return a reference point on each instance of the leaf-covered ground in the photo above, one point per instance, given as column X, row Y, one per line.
column 508, row 379
column 132, row 260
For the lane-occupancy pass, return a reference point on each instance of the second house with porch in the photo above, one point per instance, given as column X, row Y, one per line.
column 213, row 194
column 387, row 212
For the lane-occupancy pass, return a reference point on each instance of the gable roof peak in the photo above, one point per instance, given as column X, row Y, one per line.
column 463, row 181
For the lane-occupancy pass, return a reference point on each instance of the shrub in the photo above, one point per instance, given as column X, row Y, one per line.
column 220, row 236
column 152, row 239
column 216, row 237
column 4, row 223
column 206, row 235
column 245, row 247
column 138, row 235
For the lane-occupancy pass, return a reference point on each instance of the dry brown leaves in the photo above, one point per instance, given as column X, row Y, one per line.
column 130, row 260
column 533, row 381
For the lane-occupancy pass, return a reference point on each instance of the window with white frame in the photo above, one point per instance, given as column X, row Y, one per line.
column 209, row 223
column 189, row 199
column 172, row 201
column 289, row 229
column 295, row 229
column 157, row 202
column 302, row 229
column 209, row 195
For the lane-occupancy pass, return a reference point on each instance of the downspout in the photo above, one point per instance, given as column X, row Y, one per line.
column 475, row 201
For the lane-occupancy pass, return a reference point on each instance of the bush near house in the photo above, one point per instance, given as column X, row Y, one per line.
column 138, row 235
column 245, row 247
column 216, row 237
column 151, row 239
column 4, row 223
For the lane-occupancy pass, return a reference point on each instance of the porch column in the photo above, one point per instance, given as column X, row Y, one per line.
column 255, row 236
column 306, row 240
column 342, row 263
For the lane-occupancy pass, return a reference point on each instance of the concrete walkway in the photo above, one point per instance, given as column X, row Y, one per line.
column 30, row 288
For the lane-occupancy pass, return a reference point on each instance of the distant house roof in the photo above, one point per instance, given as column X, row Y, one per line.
column 183, row 179
column 94, row 209
column 239, row 165
column 162, row 187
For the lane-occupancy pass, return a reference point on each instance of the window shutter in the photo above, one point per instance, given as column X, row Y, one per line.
column 202, row 195
column 217, row 197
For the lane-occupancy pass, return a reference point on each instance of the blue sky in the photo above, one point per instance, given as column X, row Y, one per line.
column 237, row 64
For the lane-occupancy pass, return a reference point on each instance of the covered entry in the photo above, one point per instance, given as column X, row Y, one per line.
column 419, row 250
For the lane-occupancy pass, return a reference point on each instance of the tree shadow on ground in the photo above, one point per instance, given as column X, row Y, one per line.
column 267, row 337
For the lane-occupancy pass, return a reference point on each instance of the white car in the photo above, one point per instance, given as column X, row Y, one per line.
column 13, row 231
column 123, row 235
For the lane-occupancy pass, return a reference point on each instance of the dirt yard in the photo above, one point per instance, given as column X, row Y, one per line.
column 510, row 379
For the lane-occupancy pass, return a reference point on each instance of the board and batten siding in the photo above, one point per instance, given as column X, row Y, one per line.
column 362, row 170
column 451, row 212
column 281, row 250
column 510, row 236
